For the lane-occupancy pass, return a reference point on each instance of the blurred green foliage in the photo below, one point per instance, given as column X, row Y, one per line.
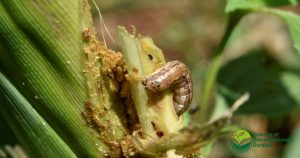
column 261, row 77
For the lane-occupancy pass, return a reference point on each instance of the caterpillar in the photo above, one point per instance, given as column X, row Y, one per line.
column 174, row 75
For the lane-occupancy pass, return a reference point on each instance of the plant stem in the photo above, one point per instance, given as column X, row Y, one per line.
column 213, row 70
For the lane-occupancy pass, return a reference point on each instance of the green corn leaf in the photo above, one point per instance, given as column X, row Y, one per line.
column 293, row 23
column 267, row 84
column 233, row 5
column 31, row 129
column 291, row 20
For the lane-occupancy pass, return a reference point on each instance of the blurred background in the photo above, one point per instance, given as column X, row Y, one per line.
column 259, row 58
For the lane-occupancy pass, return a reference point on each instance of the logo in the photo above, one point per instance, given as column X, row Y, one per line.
column 241, row 141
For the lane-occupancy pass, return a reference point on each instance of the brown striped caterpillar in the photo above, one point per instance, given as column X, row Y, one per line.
column 177, row 76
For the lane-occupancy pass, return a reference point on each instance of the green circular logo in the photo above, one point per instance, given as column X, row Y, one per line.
column 241, row 141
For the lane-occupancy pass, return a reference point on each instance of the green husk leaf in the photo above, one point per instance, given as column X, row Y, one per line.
column 43, row 58
column 55, row 29
column 31, row 129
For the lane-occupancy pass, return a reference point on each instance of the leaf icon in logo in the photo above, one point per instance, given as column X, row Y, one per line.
column 240, row 136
